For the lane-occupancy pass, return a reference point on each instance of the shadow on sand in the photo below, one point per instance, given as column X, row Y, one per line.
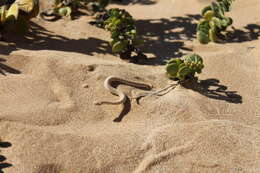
column 140, row 2
column 49, row 168
column 41, row 39
column 212, row 88
column 4, row 164
column 164, row 38
column 7, row 69
column 249, row 33
column 127, row 104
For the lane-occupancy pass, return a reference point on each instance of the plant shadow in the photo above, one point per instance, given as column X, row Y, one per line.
column 4, row 164
column 164, row 38
column 128, row 2
column 249, row 33
column 212, row 88
column 49, row 168
column 40, row 38
column 7, row 69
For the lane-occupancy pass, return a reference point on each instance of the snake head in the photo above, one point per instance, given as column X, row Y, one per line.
column 97, row 103
column 148, row 86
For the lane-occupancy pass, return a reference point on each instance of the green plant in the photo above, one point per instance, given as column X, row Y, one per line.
column 16, row 16
column 214, row 22
column 123, row 32
column 68, row 8
column 185, row 67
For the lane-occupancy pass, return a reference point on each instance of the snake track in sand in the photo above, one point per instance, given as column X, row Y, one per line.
column 122, row 97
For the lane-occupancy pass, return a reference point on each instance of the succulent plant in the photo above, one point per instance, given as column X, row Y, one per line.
column 185, row 67
column 15, row 15
column 67, row 8
column 214, row 22
column 123, row 32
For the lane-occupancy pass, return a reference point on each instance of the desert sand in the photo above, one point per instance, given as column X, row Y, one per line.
column 51, row 78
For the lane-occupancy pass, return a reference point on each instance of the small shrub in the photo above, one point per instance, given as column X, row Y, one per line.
column 68, row 8
column 16, row 16
column 214, row 22
column 185, row 67
column 123, row 32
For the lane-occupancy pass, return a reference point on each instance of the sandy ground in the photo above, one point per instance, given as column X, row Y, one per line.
column 51, row 78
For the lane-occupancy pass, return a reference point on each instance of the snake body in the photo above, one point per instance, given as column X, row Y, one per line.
column 122, row 97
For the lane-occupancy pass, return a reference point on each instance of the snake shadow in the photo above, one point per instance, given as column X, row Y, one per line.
column 3, row 163
column 212, row 88
column 127, row 104
column 126, row 109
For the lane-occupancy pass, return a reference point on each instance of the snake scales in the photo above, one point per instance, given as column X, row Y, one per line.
column 122, row 96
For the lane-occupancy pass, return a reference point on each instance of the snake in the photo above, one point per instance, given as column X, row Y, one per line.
column 122, row 96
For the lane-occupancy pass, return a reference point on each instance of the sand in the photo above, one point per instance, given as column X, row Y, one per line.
column 50, row 80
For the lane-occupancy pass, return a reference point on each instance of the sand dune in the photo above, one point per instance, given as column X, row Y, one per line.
column 51, row 79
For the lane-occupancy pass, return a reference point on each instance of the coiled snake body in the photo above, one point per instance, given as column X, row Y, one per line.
column 122, row 97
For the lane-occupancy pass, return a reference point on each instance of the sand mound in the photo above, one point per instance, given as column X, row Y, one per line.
column 51, row 79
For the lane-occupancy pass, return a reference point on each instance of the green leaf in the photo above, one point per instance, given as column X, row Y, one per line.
column 208, row 15
column 65, row 11
column 172, row 69
column 217, row 22
column 203, row 37
column 12, row 13
column 203, row 26
column 193, row 58
column 119, row 46
column 217, row 10
column 183, row 72
column 213, row 26
column 212, row 35
column 204, row 10
column 226, row 22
